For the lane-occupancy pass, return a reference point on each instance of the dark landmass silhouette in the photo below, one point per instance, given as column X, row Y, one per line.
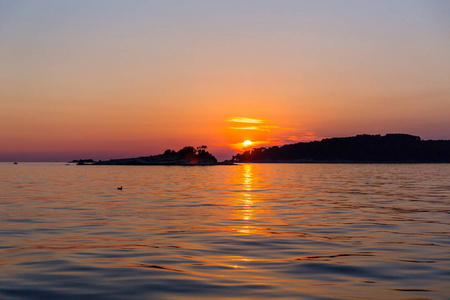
column 83, row 161
column 187, row 156
column 391, row 148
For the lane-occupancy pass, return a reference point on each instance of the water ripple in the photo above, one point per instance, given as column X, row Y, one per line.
column 284, row 231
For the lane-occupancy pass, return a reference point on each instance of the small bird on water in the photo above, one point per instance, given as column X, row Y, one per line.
column 119, row 188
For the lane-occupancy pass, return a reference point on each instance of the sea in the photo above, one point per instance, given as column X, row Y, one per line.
column 247, row 231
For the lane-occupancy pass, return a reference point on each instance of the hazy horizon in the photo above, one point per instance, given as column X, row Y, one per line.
column 101, row 156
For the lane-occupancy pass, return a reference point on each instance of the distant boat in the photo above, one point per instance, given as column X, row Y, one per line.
column 119, row 188
column 15, row 162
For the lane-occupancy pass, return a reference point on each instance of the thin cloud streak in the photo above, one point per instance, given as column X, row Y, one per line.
column 245, row 128
column 245, row 120
column 260, row 128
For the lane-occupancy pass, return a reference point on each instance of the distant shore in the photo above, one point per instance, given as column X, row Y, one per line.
column 187, row 156
column 391, row 148
column 134, row 162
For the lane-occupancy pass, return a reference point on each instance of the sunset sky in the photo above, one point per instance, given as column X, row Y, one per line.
column 111, row 79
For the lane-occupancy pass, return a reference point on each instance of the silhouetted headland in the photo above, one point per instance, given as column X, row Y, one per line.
column 83, row 161
column 391, row 148
column 188, row 156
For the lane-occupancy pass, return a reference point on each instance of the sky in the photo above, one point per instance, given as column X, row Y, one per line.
column 115, row 79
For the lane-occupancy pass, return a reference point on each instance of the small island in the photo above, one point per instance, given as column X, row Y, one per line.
column 187, row 156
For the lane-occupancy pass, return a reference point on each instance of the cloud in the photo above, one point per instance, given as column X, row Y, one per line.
column 308, row 136
column 259, row 128
column 245, row 120
column 245, row 128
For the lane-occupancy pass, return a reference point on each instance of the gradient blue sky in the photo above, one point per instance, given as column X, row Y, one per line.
column 106, row 79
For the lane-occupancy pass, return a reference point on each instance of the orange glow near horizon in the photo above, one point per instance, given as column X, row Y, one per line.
column 263, row 132
column 140, row 83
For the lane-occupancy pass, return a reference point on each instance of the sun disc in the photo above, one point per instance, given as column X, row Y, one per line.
column 247, row 143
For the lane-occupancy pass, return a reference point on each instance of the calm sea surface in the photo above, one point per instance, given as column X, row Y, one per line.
column 302, row 231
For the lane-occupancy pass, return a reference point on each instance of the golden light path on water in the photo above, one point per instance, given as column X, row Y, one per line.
column 248, row 202
column 246, row 231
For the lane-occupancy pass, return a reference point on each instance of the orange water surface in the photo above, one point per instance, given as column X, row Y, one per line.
column 293, row 231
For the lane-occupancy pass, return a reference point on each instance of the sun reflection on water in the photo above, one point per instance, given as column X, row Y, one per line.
column 266, row 230
column 246, row 200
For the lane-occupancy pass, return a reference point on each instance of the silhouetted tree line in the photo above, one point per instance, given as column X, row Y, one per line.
column 185, row 156
column 190, row 153
column 82, row 161
column 360, row 148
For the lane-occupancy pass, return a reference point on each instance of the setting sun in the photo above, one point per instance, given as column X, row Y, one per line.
column 247, row 143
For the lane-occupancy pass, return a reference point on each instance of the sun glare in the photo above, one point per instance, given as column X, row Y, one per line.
column 247, row 143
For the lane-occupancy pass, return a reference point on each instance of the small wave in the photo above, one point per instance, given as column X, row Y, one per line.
column 158, row 267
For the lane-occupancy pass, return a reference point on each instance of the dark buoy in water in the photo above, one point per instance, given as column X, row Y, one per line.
column 119, row 188
column 15, row 163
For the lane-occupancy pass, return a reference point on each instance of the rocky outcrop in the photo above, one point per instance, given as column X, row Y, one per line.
column 187, row 156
